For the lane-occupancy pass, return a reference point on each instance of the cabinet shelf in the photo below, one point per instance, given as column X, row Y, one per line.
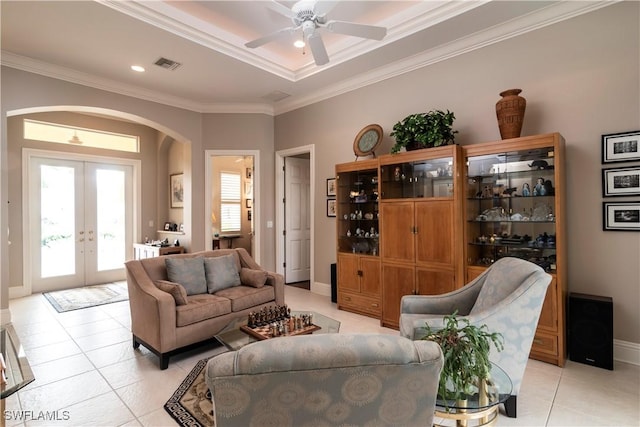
column 520, row 178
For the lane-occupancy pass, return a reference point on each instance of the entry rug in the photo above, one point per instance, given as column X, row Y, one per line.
column 88, row 296
column 191, row 404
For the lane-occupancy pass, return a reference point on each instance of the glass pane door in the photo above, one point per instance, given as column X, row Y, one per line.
column 81, row 218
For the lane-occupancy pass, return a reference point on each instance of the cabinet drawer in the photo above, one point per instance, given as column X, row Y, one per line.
column 360, row 303
column 543, row 343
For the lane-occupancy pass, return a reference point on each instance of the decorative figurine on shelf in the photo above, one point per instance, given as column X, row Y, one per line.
column 548, row 188
column 539, row 189
column 526, row 190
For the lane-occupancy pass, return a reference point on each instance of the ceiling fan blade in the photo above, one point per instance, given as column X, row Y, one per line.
column 358, row 30
column 318, row 50
column 282, row 10
column 271, row 37
column 323, row 7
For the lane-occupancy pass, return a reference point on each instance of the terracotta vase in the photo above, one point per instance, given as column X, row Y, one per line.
column 510, row 113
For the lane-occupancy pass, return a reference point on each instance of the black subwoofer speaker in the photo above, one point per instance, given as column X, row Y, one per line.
column 590, row 330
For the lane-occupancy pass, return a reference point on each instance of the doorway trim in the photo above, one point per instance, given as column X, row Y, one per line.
column 27, row 155
column 208, row 189
column 280, row 257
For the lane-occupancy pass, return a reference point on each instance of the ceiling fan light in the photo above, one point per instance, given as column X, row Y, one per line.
column 299, row 44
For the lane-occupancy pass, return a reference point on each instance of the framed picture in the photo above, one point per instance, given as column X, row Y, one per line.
column 331, row 187
column 623, row 216
column 249, row 174
column 621, row 182
column 248, row 215
column 167, row 226
column 176, row 190
column 248, row 203
column 331, row 207
column 621, row 147
column 248, row 189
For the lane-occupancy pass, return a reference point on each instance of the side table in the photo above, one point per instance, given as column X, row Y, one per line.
column 142, row 251
column 480, row 408
column 16, row 372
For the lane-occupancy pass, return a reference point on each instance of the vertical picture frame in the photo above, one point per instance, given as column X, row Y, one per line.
column 331, row 187
column 331, row 207
column 176, row 190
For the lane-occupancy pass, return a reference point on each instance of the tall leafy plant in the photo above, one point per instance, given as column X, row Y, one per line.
column 466, row 355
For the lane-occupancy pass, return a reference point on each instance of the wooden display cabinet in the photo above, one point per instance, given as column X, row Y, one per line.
column 514, row 206
column 358, row 235
column 420, row 222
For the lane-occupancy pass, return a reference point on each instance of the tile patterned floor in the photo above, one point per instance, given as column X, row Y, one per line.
column 87, row 373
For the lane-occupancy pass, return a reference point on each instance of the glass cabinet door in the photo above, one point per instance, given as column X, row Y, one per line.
column 357, row 212
column 511, row 207
column 419, row 179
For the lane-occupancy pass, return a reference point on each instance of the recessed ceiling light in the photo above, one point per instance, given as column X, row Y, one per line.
column 138, row 68
column 299, row 44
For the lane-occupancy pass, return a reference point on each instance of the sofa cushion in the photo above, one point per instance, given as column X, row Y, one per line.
column 251, row 277
column 243, row 297
column 201, row 307
column 177, row 291
column 221, row 273
column 189, row 272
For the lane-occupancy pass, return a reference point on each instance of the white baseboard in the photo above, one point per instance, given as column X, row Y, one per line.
column 5, row 316
column 625, row 351
column 17, row 292
column 321, row 289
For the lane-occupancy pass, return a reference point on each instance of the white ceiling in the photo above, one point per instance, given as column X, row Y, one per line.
column 94, row 43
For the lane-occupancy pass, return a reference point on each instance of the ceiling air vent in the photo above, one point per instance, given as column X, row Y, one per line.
column 167, row 64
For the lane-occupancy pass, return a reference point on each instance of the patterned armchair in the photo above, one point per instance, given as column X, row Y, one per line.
column 507, row 297
column 326, row 379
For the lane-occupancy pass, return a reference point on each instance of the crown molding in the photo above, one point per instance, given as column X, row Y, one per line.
column 552, row 14
column 69, row 75
column 170, row 19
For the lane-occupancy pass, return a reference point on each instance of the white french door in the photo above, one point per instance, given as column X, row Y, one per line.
column 80, row 222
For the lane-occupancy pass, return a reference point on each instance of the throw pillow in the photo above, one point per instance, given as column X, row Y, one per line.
column 176, row 290
column 251, row 277
column 221, row 273
column 189, row 272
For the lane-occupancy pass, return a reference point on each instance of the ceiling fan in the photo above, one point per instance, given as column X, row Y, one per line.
column 310, row 16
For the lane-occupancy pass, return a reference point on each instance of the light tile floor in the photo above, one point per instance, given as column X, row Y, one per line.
column 87, row 372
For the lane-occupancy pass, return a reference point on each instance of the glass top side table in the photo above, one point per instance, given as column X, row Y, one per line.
column 481, row 407
column 16, row 368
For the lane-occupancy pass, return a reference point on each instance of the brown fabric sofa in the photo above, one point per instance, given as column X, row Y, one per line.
column 166, row 328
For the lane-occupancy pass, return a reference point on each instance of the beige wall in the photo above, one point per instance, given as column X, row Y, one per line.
column 580, row 78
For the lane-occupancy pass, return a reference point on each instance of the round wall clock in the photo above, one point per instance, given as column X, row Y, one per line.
column 367, row 140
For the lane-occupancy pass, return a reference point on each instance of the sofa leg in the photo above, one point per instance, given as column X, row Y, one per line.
column 164, row 361
column 136, row 344
column 510, row 406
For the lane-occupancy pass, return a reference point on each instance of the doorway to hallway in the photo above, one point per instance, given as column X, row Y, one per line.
column 295, row 192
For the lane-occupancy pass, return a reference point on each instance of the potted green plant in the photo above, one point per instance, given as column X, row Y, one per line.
column 424, row 130
column 466, row 356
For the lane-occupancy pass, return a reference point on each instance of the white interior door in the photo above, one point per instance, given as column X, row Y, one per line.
column 81, row 221
column 297, row 220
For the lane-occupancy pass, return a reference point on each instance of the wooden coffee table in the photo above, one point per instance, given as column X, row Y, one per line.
column 234, row 338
